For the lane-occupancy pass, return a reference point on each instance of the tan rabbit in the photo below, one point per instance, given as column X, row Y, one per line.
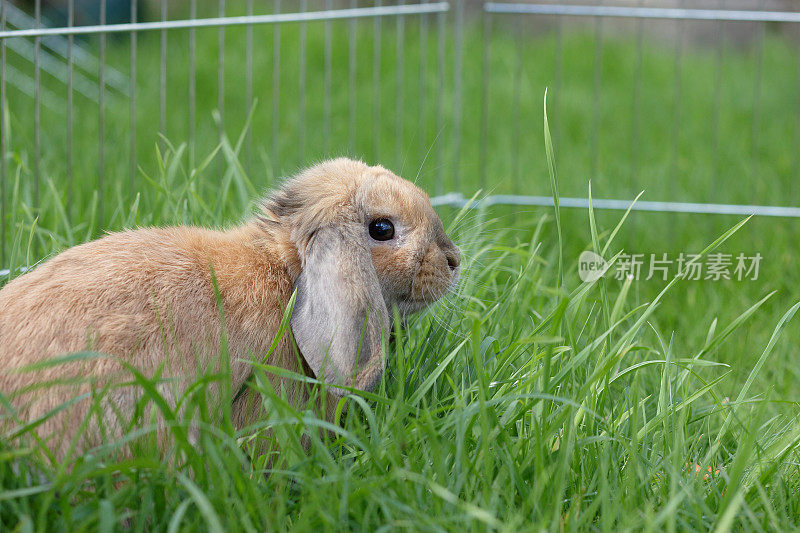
column 353, row 240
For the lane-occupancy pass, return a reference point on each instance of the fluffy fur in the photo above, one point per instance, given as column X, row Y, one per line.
column 146, row 298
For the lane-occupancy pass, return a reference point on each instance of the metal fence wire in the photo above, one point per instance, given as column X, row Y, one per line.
column 698, row 103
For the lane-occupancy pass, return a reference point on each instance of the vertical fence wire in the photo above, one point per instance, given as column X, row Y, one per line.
column 458, row 79
column 439, row 137
column 558, row 69
column 3, row 134
column 423, row 73
column 485, row 80
column 351, row 81
column 376, row 86
column 515, row 108
column 399, row 64
column 132, row 139
column 37, row 44
column 192, row 84
column 755, row 147
column 301, row 108
column 221, row 69
column 162, row 87
column 327, row 67
column 276, row 83
column 597, row 107
column 636, row 142
column 221, row 89
column 248, row 97
column 70, row 67
column 717, row 113
column 101, row 105
column 797, row 127
column 677, row 99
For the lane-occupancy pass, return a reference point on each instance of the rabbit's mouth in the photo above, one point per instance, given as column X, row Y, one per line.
column 429, row 287
column 426, row 293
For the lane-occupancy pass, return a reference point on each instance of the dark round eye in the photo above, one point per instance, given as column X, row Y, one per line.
column 381, row 229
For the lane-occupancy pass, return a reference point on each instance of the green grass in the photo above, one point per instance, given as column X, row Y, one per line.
column 527, row 400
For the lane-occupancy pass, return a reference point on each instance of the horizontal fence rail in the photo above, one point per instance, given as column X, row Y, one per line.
column 458, row 200
column 641, row 12
column 246, row 20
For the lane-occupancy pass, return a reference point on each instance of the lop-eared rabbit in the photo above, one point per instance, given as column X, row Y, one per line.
column 353, row 241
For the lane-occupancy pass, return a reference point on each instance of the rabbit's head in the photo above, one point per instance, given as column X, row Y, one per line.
column 367, row 240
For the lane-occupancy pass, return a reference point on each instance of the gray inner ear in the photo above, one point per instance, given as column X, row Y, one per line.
column 339, row 317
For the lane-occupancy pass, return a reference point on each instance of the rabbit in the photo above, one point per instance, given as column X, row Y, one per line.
column 352, row 240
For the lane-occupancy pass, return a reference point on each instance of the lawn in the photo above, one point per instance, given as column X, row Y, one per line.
column 527, row 399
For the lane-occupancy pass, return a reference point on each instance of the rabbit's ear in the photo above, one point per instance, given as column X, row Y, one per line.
column 340, row 319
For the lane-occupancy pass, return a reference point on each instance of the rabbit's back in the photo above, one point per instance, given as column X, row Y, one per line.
column 145, row 297
column 104, row 295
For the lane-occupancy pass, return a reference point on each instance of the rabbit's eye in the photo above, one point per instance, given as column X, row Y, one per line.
column 381, row 229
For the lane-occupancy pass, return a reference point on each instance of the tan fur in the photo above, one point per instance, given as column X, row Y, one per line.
column 146, row 297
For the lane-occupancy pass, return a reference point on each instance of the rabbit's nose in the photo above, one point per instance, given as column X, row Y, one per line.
column 453, row 256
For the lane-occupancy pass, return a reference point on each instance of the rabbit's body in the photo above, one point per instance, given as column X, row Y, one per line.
column 146, row 297
column 352, row 240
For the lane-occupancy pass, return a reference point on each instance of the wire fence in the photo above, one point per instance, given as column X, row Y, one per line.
column 698, row 103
